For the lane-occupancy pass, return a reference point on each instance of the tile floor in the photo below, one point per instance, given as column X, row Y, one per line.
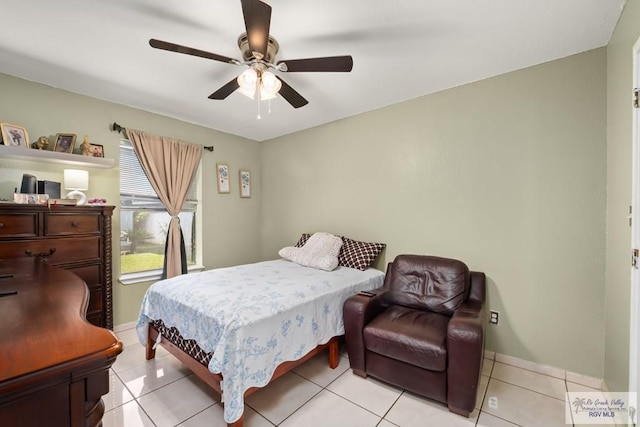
column 162, row 392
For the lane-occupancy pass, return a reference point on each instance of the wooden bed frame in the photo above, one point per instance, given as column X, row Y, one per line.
column 213, row 380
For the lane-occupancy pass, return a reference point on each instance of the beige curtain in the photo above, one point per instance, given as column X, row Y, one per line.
column 170, row 166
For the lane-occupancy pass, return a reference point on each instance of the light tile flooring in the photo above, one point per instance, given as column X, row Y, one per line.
column 162, row 392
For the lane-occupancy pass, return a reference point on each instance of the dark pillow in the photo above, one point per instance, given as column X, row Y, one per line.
column 357, row 254
column 303, row 239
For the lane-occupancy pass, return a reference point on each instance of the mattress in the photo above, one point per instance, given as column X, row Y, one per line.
column 254, row 317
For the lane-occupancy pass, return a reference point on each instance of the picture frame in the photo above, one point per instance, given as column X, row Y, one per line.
column 65, row 142
column 245, row 183
column 97, row 150
column 14, row 135
column 222, row 173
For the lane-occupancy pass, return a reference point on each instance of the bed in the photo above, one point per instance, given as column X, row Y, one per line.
column 240, row 327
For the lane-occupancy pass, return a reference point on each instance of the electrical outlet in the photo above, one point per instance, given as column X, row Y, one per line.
column 493, row 402
column 494, row 317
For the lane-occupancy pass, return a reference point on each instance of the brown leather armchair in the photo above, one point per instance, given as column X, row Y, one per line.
column 423, row 330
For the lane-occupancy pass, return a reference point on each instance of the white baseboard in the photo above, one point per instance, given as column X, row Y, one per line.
column 585, row 380
column 124, row 326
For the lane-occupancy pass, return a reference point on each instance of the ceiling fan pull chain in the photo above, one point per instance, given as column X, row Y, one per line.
column 259, row 110
column 258, row 97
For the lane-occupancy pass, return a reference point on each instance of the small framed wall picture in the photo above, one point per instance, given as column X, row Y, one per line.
column 222, row 172
column 14, row 135
column 97, row 150
column 245, row 183
column 65, row 142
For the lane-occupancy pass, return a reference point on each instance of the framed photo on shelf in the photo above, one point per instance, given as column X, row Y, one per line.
column 245, row 183
column 14, row 135
column 222, row 172
column 97, row 150
column 65, row 142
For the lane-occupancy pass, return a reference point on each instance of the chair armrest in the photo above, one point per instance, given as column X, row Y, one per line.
column 358, row 310
column 465, row 349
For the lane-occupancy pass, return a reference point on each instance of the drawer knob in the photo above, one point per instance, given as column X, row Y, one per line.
column 75, row 224
column 1, row 226
column 41, row 254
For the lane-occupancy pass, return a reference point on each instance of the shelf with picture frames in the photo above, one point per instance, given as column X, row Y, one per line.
column 34, row 155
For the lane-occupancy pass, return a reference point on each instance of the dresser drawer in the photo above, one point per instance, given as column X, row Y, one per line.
column 89, row 273
column 77, row 238
column 95, row 301
column 95, row 319
column 61, row 224
column 19, row 225
column 59, row 251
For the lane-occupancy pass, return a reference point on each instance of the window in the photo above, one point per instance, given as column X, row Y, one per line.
column 144, row 222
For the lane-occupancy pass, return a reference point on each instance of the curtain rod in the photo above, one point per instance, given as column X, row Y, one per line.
column 115, row 127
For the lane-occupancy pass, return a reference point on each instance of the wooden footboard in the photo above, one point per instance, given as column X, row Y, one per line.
column 213, row 380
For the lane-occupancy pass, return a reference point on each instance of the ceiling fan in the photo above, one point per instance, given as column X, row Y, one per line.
column 258, row 53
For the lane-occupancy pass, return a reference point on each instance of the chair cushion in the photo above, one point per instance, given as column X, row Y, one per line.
column 413, row 336
column 428, row 282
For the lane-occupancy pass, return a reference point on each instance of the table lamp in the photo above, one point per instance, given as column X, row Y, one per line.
column 76, row 180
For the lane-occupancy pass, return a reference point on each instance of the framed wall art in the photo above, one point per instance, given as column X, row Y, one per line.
column 97, row 150
column 65, row 142
column 223, row 177
column 245, row 183
column 14, row 135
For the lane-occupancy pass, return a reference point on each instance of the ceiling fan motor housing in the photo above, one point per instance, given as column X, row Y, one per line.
column 247, row 55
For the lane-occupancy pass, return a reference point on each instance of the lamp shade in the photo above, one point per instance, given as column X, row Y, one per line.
column 76, row 179
column 247, row 82
column 270, row 85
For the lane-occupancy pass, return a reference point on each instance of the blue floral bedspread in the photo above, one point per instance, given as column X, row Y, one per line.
column 254, row 317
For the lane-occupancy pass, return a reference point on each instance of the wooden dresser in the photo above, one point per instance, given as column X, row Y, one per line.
column 77, row 238
column 54, row 366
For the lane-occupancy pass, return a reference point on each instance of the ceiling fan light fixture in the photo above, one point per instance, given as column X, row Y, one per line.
column 270, row 85
column 247, row 82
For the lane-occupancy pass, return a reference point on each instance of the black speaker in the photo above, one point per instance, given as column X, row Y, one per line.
column 29, row 183
column 51, row 188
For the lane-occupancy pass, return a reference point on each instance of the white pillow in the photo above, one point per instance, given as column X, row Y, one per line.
column 321, row 251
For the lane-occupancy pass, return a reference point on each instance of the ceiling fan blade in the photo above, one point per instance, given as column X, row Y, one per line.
column 172, row 47
column 291, row 96
column 257, row 20
column 330, row 63
column 225, row 90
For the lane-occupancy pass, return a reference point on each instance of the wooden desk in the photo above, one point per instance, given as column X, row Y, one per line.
column 54, row 365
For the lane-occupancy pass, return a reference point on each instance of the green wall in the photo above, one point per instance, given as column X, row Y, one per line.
column 507, row 174
column 230, row 224
column 619, row 195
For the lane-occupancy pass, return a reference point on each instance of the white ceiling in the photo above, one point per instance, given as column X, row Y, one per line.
column 401, row 49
